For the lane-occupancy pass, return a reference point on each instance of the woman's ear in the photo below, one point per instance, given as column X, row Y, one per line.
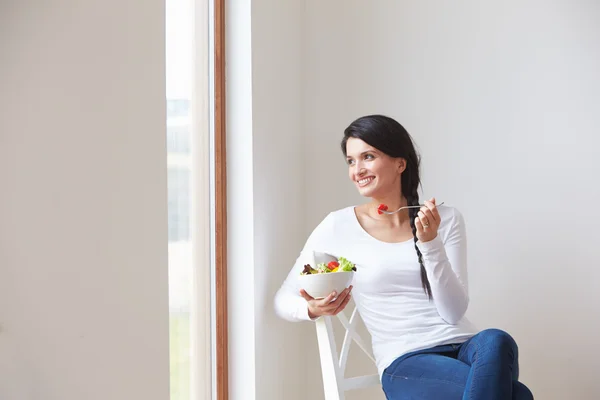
column 401, row 165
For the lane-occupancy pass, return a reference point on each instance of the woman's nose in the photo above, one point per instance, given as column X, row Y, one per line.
column 359, row 169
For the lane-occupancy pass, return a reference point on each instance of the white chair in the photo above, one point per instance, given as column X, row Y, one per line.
column 333, row 366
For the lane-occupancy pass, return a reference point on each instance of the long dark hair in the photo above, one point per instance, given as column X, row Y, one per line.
column 389, row 136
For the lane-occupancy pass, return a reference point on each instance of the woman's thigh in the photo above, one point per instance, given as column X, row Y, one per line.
column 425, row 376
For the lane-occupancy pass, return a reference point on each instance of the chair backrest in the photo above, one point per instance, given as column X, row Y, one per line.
column 333, row 366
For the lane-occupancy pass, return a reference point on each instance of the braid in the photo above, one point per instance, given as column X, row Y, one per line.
column 412, row 215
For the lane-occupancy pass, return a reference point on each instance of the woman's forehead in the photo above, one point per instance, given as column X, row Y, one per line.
column 356, row 146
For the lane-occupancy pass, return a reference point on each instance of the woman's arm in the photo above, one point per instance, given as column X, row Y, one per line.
column 289, row 304
column 446, row 265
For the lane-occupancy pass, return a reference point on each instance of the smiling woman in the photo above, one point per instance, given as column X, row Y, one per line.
column 411, row 287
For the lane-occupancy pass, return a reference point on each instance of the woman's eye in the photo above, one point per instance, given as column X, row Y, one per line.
column 369, row 157
column 350, row 162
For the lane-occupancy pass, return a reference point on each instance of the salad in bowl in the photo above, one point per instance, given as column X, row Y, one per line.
column 326, row 274
column 343, row 265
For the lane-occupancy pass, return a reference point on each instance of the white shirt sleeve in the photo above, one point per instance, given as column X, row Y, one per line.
column 289, row 304
column 446, row 266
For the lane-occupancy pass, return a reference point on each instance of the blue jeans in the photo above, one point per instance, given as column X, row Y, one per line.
column 485, row 367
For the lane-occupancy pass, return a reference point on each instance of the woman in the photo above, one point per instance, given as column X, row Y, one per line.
column 411, row 284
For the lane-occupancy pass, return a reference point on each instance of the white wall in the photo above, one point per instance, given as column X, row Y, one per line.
column 83, row 258
column 503, row 100
column 268, row 356
column 279, row 183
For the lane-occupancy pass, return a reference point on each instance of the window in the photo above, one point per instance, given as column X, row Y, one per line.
column 179, row 204
column 189, row 198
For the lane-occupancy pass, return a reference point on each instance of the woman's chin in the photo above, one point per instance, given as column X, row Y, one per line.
column 366, row 191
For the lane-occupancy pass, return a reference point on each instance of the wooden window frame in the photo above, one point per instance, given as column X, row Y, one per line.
column 222, row 365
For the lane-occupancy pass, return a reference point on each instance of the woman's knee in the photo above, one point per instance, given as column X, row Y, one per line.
column 499, row 338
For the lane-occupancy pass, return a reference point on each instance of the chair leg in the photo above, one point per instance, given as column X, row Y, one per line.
column 332, row 376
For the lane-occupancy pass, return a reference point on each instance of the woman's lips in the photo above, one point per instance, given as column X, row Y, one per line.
column 365, row 181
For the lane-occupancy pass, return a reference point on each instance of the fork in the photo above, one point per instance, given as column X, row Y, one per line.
column 402, row 208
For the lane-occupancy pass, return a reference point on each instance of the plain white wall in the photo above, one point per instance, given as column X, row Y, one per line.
column 265, row 181
column 83, row 222
column 503, row 100
column 279, row 183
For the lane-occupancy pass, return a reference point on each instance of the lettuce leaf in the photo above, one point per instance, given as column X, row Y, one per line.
column 346, row 265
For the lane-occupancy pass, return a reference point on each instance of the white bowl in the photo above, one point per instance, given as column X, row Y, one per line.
column 320, row 286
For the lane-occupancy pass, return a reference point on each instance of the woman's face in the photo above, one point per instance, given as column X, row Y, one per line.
column 374, row 173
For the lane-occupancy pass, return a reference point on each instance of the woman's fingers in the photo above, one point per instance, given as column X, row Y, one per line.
column 436, row 215
column 429, row 217
column 423, row 218
column 427, row 221
column 343, row 304
column 431, row 211
column 327, row 300
column 306, row 296
column 328, row 306
column 419, row 226
column 332, row 307
column 334, row 304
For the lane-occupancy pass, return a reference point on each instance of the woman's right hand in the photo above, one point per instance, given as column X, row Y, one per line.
column 321, row 307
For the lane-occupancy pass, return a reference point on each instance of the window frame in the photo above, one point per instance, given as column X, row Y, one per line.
column 222, row 365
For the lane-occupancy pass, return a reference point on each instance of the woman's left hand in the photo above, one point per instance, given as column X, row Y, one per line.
column 427, row 221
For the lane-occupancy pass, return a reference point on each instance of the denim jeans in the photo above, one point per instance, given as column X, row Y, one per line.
column 485, row 367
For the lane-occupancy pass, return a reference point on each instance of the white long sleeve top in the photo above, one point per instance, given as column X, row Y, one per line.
column 387, row 284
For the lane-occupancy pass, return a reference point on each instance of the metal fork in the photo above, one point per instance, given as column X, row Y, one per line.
column 402, row 208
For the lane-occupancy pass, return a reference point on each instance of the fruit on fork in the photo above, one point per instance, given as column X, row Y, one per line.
column 383, row 209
